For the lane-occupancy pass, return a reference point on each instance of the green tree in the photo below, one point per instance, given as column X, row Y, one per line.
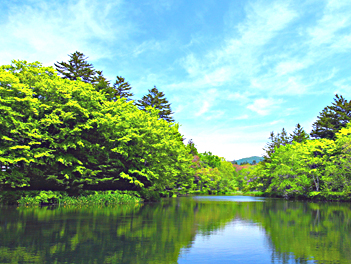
column 281, row 139
column 120, row 89
column 299, row 134
column 210, row 160
column 76, row 67
column 332, row 118
column 101, row 83
column 192, row 148
column 156, row 100
column 69, row 136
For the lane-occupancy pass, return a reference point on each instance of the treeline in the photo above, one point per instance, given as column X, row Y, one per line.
column 77, row 132
column 308, row 166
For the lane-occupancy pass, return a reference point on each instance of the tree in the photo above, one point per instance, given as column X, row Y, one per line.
column 101, row 83
column 299, row 134
column 156, row 99
column 332, row 119
column 67, row 136
column 120, row 89
column 192, row 148
column 275, row 141
column 76, row 67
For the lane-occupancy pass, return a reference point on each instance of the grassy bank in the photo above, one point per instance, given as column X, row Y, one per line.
column 26, row 198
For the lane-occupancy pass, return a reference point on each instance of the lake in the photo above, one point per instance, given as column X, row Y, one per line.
column 199, row 229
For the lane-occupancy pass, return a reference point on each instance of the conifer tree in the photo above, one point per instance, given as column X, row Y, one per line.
column 275, row 141
column 76, row 67
column 332, row 118
column 156, row 99
column 120, row 89
column 100, row 82
column 299, row 134
column 192, row 148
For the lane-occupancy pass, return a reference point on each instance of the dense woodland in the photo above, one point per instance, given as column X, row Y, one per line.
column 67, row 129
column 308, row 166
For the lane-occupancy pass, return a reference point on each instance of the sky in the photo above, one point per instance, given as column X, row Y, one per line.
column 233, row 71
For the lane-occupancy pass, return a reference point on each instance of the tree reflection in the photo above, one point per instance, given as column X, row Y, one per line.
column 156, row 233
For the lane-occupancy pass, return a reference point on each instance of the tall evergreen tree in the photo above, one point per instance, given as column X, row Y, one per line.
column 275, row 141
column 299, row 134
column 332, row 118
column 120, row 89
column 76, row 67
column 156, row 99
column 192, row 148
column 100, row 82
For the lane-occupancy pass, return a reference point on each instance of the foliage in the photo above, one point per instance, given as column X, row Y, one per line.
column 332, row 119
column 25, row 198
column 59, row 134
column 282, row 139
column 192, row 148
column 312, row 168
column 122, row 89
column 77, row 67
column 299, row 134
column 156, row 100
column 214, row 174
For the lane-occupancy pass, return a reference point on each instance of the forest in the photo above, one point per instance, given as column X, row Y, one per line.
column 66, row 131
column 308, row 166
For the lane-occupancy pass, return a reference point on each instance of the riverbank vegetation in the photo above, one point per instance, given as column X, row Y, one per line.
column 67, row 131
column 300, row 167
column 78, row 133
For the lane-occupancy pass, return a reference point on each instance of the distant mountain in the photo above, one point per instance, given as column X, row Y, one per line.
column 249, row 159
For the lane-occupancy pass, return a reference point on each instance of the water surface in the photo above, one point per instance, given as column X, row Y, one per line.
column 201, row 229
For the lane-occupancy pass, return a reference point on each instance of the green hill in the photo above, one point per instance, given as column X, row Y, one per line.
column 249, row 160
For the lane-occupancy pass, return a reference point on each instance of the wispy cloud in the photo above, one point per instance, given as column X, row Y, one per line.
column 264, row 106
column 48, row 30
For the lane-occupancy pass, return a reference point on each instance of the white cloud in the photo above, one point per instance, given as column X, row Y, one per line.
column 264, row 106
column 204, row 108
column 289, row 67
column 48, row 30
column 242, row 117
column 207, row 99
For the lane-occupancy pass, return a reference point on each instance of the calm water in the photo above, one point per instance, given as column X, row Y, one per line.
column 218, row 229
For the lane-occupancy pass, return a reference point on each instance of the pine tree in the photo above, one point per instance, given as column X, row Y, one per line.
column 121, row 89
column 76, row 67
column 275, row 141
column 156, row 99
column 100, row 82
column 299, row 134
column 192, row 148
column 332, row 119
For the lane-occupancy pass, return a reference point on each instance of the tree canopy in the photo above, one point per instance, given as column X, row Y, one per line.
column 332, row 118
column 120, row 89
column 62, row 134
column 282, row 139
column 76, row 67
column 157, row 100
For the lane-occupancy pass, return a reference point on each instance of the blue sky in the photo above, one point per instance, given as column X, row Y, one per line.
column 232, row 70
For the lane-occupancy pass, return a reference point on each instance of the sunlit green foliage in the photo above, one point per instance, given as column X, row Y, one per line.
column 157, row 100
column 214, row 174
column 59, row 134
column 332, row 118
column 309, row 169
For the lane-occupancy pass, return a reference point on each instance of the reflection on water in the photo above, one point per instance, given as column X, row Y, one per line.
column 217, row 229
